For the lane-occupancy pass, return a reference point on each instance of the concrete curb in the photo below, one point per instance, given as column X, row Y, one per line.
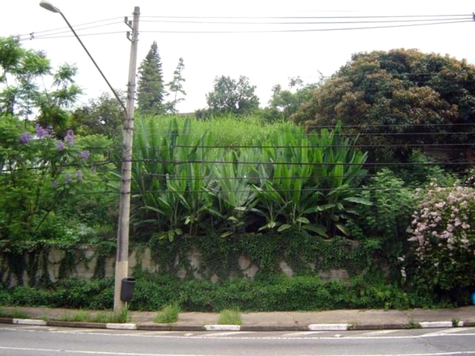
column 223, row 327
column 75, row 324
column 436, row 324
column 29, row 322
column 273, row 328
column 355, row 327
column 263, row 328
column 328, row 327
column 124, row 326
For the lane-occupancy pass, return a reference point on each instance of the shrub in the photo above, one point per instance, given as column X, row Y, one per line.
column 443, row 238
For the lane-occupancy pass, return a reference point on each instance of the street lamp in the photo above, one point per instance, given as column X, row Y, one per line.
column 122, row 263
column 50, row 7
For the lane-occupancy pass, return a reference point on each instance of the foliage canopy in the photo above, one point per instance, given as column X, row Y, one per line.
column 397, row 92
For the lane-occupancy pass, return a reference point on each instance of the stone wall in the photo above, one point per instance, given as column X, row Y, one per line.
column 86, row 265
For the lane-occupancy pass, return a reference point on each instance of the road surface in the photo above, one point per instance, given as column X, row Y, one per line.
column 16, row 340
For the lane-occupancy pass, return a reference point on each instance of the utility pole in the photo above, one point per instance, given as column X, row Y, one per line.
column 122, row 260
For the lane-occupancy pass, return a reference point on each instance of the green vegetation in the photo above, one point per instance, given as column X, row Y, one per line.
column 230, row 96
column 168, row 314
column 190, row 186
column 16, row 314
column 369, row 193
column 230, row 317
column 102, row 317
column 406, row 96
column 278, row 293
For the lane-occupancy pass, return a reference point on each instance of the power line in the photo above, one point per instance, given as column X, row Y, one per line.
column 82, row 35
column 306, row 17
column 75, row 26
column 469, row 18
column 260, row 163
column 302, row 30
column 446, row 146
column 252, row 31
column 33, row 34
column 249, row 190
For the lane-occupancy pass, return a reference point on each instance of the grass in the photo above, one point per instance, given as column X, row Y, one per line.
column 411, row 324
column 168, row 314
column 106, row 317
column 16, row 314
column 230, row 317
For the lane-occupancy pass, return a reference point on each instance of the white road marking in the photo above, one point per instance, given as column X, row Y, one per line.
column 227, row 333
column 84, row 352
column 28, row 349
column 445, row 332
column 381, row 332
column 348, row 336
column 302, row 333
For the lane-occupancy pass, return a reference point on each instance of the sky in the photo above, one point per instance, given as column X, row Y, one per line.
column 266, row 58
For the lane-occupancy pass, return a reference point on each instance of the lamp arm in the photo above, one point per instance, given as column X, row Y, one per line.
column 93, row 61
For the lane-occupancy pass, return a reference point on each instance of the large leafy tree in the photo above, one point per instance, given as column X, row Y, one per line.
column 151, row 88
column 232, row 96
column 403, row 97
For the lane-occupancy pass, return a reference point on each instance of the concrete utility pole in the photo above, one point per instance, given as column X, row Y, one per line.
column 122, row 260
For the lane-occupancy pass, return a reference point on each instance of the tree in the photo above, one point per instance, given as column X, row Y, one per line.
column 103, row 115
column 284, row 103
column 22, row 96
column 397, row 92
column 151, row 89
column 176, row 86
column 232, row 96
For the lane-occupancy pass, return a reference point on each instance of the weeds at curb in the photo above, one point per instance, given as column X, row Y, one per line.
column 411, row 324
column 168, row 314
column 230, row 317
column 82, row 316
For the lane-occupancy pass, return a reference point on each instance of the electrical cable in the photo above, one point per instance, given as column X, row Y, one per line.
column 393, row 164
column 300, row 30
column 75, row 26
column 306, row 17
column 52, row 36
column 82, row 35
column 469, row 18
column 68, row 31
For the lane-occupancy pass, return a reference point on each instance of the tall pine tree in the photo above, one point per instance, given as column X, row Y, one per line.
column 151, row 91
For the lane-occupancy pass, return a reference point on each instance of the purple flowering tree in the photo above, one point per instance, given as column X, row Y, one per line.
column 42, row 179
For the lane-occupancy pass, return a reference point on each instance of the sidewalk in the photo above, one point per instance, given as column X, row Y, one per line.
column 266, row 321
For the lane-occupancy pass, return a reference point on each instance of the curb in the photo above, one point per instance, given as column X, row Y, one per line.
column 76, row 324
column 328, row 327
column 354, row 327
column 436, row 324
column 124, row 326
column 223, row 327
column 36, row 322
column 262, row 328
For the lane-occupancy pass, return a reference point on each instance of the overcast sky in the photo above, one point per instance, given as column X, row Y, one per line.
column 265, row 58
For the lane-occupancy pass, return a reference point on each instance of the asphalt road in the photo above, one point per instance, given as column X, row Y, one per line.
column 33, row 341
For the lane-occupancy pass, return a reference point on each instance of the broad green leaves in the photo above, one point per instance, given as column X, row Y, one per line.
column 188, row 185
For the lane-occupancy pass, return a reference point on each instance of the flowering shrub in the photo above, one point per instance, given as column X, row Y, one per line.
column 443, row 236
column 42, row 181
